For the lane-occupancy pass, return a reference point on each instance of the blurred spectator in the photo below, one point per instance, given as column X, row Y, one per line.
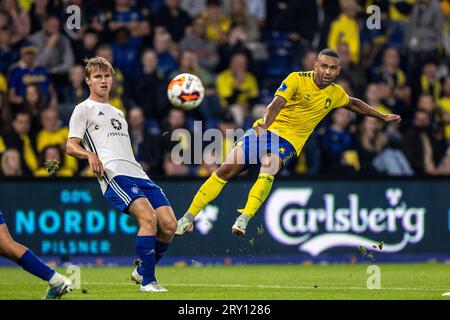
column 52, row 152
column 424, row 32
column 146, row 145
column 193, row 7
column 298, row 19
column 176, row 119
column 371, row 142
column 39, row 12
column 172, row 169
column 391, row 102
column 237, row 88
column 126, row 54
column 189, row 64
column 17, row 20
column 236, row 42
column 173, row 19
column 227, row 127
column 239, row 15
column 10, row 164
column 389, row 72
column 336, row 140
column 3, row 84
column 167, row 62
column 309, row 161
column 429, row 80
column 217, row 23
column 34, row 104
column 53, row 133
column 26, row 72
column 176, row 140
column 5, row 113
column 373, row 98
column 444, row 103
column 419, row 146
column 124, row 15
column 345, row 29
column 350, row 70
column 86, row 47
column 54, row 49
column 149, row 91
column 74, row 93
column 18, row 138
column 256, row 8
column 197, row 42
column 400, row 10
column 8, row 55
column 346, row 85
column 308, row 59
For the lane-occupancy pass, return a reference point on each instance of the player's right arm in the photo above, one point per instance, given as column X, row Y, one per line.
column 272, row 111
column 288, row 88
column 77, row 129
column 74, row 148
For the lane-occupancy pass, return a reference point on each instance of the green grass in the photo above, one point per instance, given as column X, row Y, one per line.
column 405, row 281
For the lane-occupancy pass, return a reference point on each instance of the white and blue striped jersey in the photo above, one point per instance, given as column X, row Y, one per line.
column 104, row 130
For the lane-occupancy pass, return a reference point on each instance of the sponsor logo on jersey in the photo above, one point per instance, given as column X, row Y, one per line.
column 101, row 113
column 116, row 124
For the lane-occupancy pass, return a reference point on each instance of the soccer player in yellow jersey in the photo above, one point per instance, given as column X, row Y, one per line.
column 300, row 103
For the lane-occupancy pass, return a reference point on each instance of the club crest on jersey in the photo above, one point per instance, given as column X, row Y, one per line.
column 283, row 87
column 327, row 103
column 116, row 124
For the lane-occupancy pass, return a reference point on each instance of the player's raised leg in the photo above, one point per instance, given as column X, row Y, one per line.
column 270, row 165
column 233, row 164
column 145, row 215
column 24, row 257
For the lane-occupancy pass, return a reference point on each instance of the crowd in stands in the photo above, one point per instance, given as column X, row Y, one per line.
column 241, row 50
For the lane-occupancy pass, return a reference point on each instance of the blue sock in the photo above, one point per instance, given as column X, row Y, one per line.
column 160, row 249
column 35, row 266
column 145, row 248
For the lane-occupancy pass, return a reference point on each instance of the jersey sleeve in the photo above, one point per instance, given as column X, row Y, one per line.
column 342, row 98
column 288, row 87
column 78, row 123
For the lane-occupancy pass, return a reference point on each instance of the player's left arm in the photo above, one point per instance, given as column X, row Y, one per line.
column 362, row 108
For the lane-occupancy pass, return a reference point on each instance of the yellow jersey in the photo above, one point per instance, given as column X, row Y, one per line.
column 306, row 105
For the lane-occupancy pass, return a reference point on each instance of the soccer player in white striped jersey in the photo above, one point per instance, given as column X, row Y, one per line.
column 98, row 132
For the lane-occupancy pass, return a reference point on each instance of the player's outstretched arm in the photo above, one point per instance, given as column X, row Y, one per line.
column 362, row 108
column 74, row 148
column 272, row 111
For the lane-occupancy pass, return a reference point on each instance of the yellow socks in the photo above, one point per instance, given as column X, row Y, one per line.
column 207, row 193
column 258, row 194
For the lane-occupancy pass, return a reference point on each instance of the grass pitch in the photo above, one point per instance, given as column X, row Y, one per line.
column 262, row 282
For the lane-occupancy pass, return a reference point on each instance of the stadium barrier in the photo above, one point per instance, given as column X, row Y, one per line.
column 302, row 220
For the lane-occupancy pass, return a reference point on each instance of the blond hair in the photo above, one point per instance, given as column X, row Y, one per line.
column 97, row 64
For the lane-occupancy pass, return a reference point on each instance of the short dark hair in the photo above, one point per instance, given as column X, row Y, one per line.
column 329, row 52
